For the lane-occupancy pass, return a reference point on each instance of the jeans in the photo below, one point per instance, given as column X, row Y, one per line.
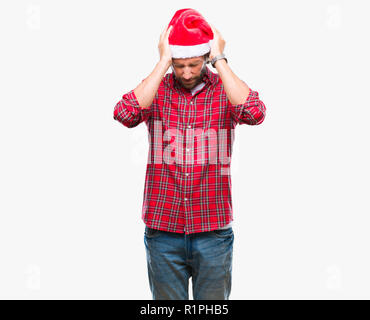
column 174, row 258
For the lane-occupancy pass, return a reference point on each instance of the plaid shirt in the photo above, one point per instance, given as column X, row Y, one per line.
column 188, row 183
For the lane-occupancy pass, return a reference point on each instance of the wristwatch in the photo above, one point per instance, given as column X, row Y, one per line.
column 216, row 58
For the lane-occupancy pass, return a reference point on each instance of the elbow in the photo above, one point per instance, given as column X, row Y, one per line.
column 115, row 113
column 118, row 112
column 259, row 113
column 254, row 115
column 118, row 109
column 125, row 116
column 255, row 110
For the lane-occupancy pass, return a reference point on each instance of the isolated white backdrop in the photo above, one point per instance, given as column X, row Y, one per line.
column 72, row 178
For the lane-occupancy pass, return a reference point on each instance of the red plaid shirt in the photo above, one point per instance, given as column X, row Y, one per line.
column 188, row 183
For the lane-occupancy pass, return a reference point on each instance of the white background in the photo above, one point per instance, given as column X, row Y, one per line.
column 72, row 178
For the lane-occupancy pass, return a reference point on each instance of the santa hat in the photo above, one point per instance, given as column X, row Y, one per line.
column 191, row 35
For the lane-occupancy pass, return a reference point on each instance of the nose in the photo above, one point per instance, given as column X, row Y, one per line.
column 187, row 74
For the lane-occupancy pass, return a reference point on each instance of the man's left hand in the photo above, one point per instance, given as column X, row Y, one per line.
column 218, row 43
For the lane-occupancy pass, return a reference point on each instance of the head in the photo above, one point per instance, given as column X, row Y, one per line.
column 189, row 72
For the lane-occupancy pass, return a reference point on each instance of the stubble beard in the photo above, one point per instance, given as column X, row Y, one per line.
column 197, row 79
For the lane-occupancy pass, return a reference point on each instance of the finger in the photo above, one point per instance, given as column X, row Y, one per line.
column 215, row 31
column 169, row 30
column 163, row 32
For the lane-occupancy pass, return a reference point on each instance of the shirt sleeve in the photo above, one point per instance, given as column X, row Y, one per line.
column 251, row 112
column 128, row 112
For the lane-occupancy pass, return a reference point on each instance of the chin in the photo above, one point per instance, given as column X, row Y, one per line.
column 191, row 85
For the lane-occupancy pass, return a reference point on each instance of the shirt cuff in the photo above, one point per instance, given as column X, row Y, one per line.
column 131, row 97
column 240, row 107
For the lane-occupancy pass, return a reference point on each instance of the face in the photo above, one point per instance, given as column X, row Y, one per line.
column 189, row 72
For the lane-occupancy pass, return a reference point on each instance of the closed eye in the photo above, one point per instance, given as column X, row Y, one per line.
column 190, row 65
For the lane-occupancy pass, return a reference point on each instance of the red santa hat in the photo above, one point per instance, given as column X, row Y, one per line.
column 191, row 35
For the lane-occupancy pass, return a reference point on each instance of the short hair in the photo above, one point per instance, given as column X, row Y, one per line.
column 206, row 56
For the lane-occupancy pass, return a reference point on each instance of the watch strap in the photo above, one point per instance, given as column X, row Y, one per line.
column 216, row 58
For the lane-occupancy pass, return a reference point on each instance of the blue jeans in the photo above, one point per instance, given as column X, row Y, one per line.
column 173, row 258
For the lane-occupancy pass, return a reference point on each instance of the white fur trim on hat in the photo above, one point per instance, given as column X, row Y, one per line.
column 183, row 52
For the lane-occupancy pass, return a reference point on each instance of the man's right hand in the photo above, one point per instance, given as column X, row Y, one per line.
column 164, row 47
column 145, row 92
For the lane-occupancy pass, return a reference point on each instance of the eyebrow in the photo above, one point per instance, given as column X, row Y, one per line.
column 181, row 65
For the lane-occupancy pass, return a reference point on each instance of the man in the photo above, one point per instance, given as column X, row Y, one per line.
column 187, row 204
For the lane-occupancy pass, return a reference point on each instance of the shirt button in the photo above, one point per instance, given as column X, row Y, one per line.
column 189, row 127
column 187, row 150
column 185, row 199
column 187, row 174
column 191, row 102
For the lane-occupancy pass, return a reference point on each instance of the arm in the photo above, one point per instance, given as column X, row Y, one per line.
column 147, row 89
column 244, row 103
column 128, row 112
column 135, row 106
column 236, row 90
